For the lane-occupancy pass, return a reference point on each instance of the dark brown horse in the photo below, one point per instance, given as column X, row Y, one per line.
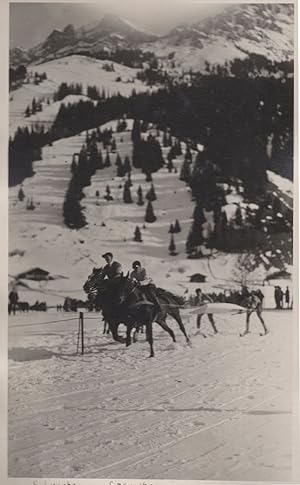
column 169, row 304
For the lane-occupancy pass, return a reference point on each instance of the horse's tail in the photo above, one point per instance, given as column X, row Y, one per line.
column 169, row 297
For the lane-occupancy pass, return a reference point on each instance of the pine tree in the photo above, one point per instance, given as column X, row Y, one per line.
column 107, row 162
column 172, row 246
column 100, row 160
column 73, row 166
column 127, row 165
column 113, row 146
column 118, row 160
column 151, row 195
column 136, row 131
column 177, row 227
column 150, row 216
column 170, row 166
column 137, row 235
column 140, row 200
column 21, row 195
column 171, row 229
column 177, row 148
column 171, row 154
column 129, row 181
column 185, row 173
column 108, row 195
column 127, row 194
column 33, row 106
column 195, row 236
column 27, row 112
column 72, row 210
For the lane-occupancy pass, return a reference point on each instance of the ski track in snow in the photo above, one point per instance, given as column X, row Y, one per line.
column 114, row 412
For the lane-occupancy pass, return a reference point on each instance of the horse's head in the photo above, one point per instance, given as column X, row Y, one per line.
column 92, row 284
column 124, row 289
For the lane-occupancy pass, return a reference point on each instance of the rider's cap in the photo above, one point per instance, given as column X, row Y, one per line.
column 107, row 254
column 136, row 263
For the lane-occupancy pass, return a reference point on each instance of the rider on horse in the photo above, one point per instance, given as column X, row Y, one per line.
column 145, row 284
column 112, row 269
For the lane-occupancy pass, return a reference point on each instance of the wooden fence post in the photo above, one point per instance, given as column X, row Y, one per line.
column 82, row 331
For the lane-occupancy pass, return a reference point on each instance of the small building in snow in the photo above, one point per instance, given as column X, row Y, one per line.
column 197, row 278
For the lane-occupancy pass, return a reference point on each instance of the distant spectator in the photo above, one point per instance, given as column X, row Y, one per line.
column 277, row 297
column 281, row 295
column 287, row 297
column 13, row 298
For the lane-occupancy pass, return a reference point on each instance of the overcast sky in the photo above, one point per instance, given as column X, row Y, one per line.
column 30, row 23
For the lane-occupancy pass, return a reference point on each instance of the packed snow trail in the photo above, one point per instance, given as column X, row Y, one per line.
column 114, row 412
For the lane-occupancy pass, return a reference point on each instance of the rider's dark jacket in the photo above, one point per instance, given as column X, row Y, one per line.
column 111, row 271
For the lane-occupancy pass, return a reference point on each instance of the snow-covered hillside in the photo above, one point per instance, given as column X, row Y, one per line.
column 80, row 69
column 47, row 243
column 86, row 70
column 23, row 97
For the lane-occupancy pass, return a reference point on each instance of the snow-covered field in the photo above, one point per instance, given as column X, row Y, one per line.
column 221, row 409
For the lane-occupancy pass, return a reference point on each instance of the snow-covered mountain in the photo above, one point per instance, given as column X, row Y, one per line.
column 110, row 33
column 265, row 29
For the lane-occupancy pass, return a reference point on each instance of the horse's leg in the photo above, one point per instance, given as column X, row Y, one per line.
column 259, row 314
column 113, row 326
column 134, row 337
column 213, row 324
column 150, row 337
column 249, row 312
column 165, row 327
column 106, row 327
column 177, row 317
column 128, row 334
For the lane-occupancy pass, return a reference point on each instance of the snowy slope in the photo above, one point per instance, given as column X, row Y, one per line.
column 86, row 70
column 49, row 244
column 80, row 69
column 45, row 117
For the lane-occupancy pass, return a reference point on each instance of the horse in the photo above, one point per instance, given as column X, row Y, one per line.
column 167, row 300
column 120, row 302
